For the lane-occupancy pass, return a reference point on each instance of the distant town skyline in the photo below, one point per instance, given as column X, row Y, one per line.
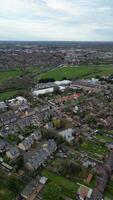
column 56, row 20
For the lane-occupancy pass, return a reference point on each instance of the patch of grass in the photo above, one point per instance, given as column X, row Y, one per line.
column 78, row 72
column 104, row 138
column 5, row 75
column 6, row 187
column 12, row 139
column 5, row 194
column 8, row 94
column 8, row 74
column 93, row 148
column 68, row 72
column 69, row 188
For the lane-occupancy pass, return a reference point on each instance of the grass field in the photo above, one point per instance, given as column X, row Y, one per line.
column 93, row 148
column 5, row 75
column 69, row 187
column 77, row 72
column 8, row 94
column 104, row 138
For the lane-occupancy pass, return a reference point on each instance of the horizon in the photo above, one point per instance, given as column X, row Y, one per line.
column 84, row 41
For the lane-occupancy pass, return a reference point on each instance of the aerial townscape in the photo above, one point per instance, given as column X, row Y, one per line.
column 56, row 123
column 56, row 99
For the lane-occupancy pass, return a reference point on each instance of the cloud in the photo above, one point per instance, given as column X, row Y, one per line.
column 56, row 20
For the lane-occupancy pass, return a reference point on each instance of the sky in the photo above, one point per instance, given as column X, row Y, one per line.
column 56, row 20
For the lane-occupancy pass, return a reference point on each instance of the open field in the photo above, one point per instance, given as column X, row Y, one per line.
column 69, row 187
column 6, row 75
column 93, row 148
column 8, row 94
column 78, row 72
column 10, row 74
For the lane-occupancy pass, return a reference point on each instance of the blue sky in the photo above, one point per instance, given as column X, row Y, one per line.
column 78, row 20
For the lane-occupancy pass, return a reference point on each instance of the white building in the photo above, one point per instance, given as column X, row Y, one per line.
column 67, row 134
column 62, row 85
column 47, row 91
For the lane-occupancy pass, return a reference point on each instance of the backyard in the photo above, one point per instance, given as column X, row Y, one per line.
column 69, row 188
column 10, row 186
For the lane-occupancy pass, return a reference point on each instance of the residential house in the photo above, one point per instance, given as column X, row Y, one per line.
column 25, row 111
column 36, row 135
column 3, row 146
column 29, row 189
column 3, row 106
column 7, row 118
column 42, row 155
column 16, row 102
column 84, row 193
column 67, row 134
column 13, row 153
column 9, row 129
column 25, row 122
column 27, row 143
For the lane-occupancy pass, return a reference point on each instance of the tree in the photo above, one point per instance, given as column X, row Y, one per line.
column 52, row 192
column 13, row 185
column 20, row 162
column 70, row 168
column 51, row 134
column 57, row 123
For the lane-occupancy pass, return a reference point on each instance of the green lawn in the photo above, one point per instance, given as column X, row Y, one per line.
column 104, row 138
column 68, row 72
column 7, row 190
column 69, row 187
column 109, row 190
column 93, row 148
column 8, row 94
column 77, row 72
column 5, row 75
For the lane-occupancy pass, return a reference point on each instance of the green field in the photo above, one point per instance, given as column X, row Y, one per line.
column 8, row 94
column 69, row 187
column 77, row 72
column 5, row 75
column 9, row 187
column 104, row 138
column 93, row 148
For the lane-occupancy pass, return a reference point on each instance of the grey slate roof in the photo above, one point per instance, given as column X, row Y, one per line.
column 3, row 105
column 40, row 156
column 29, row 188
column 14, row 152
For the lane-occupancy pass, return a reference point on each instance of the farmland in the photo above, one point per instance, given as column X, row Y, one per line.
column 77, row 72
